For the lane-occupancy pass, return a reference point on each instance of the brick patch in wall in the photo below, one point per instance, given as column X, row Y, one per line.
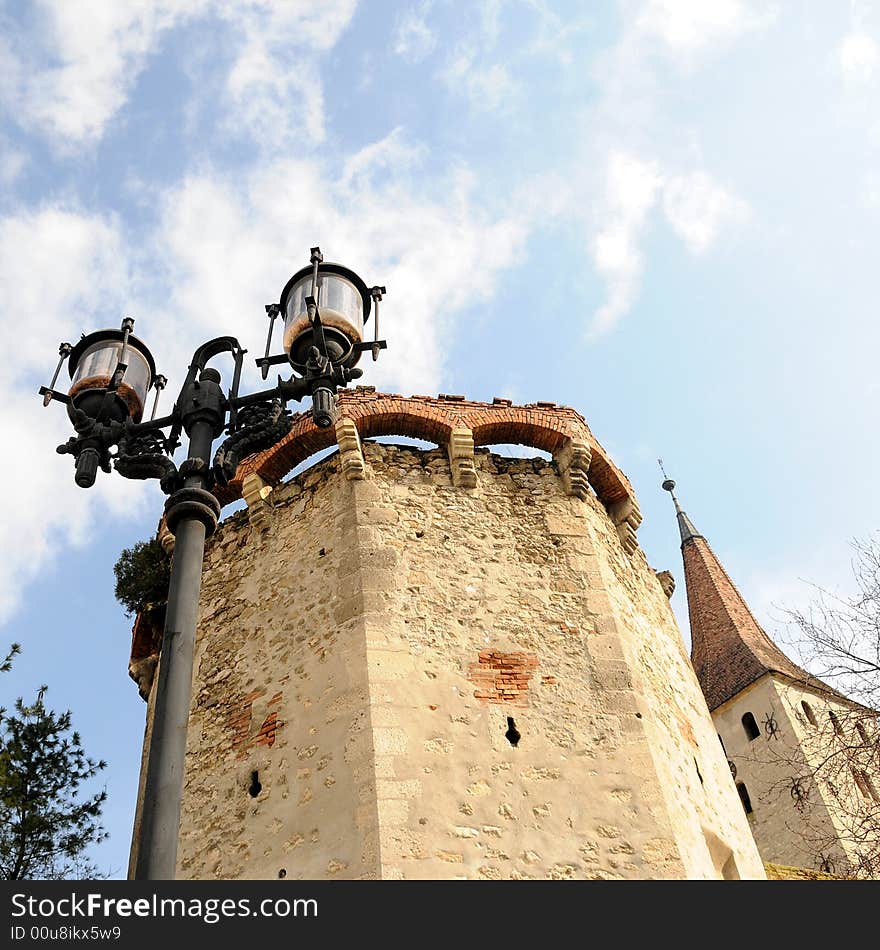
column 266, row 735
column 239, row 721
column 502, row 677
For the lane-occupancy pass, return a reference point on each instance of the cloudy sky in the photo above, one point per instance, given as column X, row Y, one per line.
column 661, row 212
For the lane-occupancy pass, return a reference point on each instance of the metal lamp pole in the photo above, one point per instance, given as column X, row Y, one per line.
column 191, row 513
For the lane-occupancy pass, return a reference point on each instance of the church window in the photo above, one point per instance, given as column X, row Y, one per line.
column 744, row 797
column 835, row 722
column 865, row 785
column 808, row 712
column 750, row 726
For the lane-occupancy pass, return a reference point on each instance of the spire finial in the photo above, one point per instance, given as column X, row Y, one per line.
column 685, row 525
column 668, row 483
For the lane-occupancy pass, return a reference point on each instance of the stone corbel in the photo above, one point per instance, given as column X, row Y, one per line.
column 627, row 518
column 667, row 582
column 142, row 672
column 351, row 455
column 146, row 644
column 165, row 537
column 573, row 462
column 461, row 458
column 256, row 493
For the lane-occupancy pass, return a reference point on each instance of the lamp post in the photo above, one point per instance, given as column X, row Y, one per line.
column 325, row 307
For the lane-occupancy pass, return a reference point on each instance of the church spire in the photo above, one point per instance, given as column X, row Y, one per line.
column 685, row 525
column 729, row 649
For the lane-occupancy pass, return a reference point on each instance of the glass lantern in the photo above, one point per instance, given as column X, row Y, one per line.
column 92, row 363
column 343, row 304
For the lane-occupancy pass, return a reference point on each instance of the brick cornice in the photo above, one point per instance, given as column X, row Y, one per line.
column 542, row 425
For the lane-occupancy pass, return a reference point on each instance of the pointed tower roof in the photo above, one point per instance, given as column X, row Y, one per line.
column 729, row 648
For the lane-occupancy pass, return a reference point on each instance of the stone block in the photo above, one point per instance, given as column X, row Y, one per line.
column 256, row 493
column 667, row 582
column 626, row 517
column 573, row 462
column 461, row 458
column 351, row 456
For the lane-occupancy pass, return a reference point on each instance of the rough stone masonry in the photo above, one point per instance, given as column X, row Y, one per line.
column 372, row 630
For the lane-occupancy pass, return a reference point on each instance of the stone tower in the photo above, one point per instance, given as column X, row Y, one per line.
column 442, row 663
column 777, row 723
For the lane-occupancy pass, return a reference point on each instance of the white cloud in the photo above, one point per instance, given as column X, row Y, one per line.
column 635, row 138
column 698, row 209
column 72, row 88
column 12, row 162
column 490, row 21
column 391, row 154
column 413, row 38
column 858, row 56
column 687, row 26
column 487, row 88
column 61, row 271
column 230, row 247
column 274, row 86
column 474, row 70
column 554, row 32
column 95, row 59
column 493, row 87
column 630, row 192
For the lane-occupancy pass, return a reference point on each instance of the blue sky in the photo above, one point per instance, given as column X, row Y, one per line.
column 660, row 212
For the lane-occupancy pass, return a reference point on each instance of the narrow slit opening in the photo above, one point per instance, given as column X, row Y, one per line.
column 512, row 735
column 255, row 788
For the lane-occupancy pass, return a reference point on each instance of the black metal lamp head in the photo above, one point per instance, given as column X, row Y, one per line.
column 111, row 372
column 325, row 307
column 343, row 302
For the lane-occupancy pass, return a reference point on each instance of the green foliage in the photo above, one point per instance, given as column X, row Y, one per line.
column 142, row 576
column 45, row 823
column 6, row 665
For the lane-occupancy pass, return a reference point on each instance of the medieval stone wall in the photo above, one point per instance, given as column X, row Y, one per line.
column 279, row 779
column 694, row 778
column 398, row 676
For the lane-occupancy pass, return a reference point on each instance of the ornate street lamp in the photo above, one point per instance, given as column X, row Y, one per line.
column 325, row 307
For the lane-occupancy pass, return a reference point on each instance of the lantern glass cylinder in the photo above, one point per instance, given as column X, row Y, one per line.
column 92, row 370
column 343, row 304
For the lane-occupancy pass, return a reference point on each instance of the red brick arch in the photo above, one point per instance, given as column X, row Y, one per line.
column 514, row 431
column 543, row 426
column 303, row 440
column 398, row 416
